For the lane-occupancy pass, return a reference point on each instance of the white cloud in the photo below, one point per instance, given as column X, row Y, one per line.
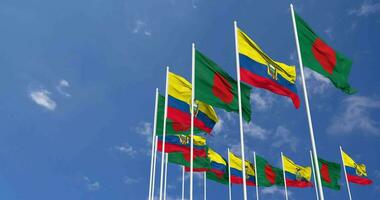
column 41, row 97
column 328, row 32
column 218, row 126
column 356, row 115
column 262, row 100
column 316, row 83
column 126, row 149
column 255, row 131
column 91, row 185
column 130, row 180
column 283, row 137
column 365, row 9
column 141, row 27
column 145, row 129
column 274, row 190
column 60, row 87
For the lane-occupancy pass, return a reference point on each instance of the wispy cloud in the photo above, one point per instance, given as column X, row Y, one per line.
column 218, row 126
column 141, row 27
column 316, row 83
column 145, row 129
column 261, row 100
column 91, row 185
column 255, row 131
column 365, row 9
column 126, row 149
column 130, row 180
column 61, row 86
column 41, row 97
column 328, row 32
column 274, row 190
column 356, row 115
column 283, row 137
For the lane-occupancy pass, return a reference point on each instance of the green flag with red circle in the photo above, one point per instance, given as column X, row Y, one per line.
column 267, row 175
column 217, row 88
column 320, row 57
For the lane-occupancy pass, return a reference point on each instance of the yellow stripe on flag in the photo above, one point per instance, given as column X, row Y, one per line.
column 349, row 162
column 250, row 49
column 215, row 157
column 236, row 163
column 293, row 168
column 180, row 89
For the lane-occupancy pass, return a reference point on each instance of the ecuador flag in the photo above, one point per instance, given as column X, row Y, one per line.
column 259, row 70
column 237, row 173
column 179, row 101
column 218, row 167
column 296, row 175
column 356, row 172
column 181, row 143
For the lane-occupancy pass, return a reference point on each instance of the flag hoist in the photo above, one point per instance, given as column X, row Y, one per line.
column 164, row 134
column 192, row 118
column 313, row 145
column 154, row 166
column 240, row 112
column 313, row 169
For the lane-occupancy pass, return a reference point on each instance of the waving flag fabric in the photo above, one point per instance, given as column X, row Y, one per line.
column 356, row 172
column 259, row 70
column 181, row 143
column 179, row 101
column 320, row 57
column 296, row 175
column 218, row 167
column 237, row 173
column 216, row 87
column 267, row 175
column 330, row 174
column 200, row 164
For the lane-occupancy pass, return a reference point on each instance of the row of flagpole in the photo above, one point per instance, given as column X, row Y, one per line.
column 314, row 155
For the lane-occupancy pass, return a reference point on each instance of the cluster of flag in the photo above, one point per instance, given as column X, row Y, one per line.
column 185, row 111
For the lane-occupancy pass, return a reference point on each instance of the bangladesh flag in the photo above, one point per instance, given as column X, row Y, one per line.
column 268, row 175
column 199, row 163
column 320, row 57
column 330, row 174
column 215, row 87
column 170, row 125
column 217, row 178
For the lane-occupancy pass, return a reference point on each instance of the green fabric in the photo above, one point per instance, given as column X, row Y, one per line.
column 214, row 177
column 268, row 175
column 330, row 174
column 179, row 158
column 225, row 94
column 307, row 39
column 169, row 123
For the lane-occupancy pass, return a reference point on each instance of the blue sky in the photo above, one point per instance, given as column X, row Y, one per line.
column 78, row 80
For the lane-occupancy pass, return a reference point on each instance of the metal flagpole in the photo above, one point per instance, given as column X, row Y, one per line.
column 314, row 148
column 204, row 186
column 192, row 119
column 283, row 172
column 345, row 173
column 313, row 170
column 257, row 182
column 240, row 113
column 166, row 174
column 154, row 166
column 183, row 182
column 164, row 132
column 229, row 176
column 153, row 145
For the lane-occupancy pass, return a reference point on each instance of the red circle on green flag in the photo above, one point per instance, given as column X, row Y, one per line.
column 325, row 55
column 222, row 89
column 270, row 175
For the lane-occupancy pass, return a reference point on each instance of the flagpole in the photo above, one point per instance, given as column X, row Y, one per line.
column 257, row 183
column 345, row 173
column 166, row 174
column 153, row 145
column 183, row 182
column 192, row 118
column 164, row 132
column 229, row 176
column 283, row 172
column 313, row 170
column 154, row 166
column 313, row 145
column 204, row 186
column 240, row 113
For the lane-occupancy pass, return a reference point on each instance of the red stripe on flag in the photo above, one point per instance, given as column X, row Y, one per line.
column 359, row 180
column 299, row 184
